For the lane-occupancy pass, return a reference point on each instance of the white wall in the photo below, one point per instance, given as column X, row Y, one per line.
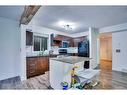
column 114, row 28
column 9, row 48
column 119, row 41
column 23, row 52
column 119, row 34
column 86, row 33
column 93, row 38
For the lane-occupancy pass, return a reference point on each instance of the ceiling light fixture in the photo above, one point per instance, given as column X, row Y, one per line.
column 66, row 25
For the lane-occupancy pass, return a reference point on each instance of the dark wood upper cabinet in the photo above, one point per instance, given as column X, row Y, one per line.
column 62, row 38
column 77, row 40
column 56, row 41
column 73, row 42
column 29, row 38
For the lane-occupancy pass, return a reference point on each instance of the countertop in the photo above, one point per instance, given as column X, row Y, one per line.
column 72, row 59
column 46, row 55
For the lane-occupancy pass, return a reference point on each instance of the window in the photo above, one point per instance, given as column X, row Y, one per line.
column 40, row 43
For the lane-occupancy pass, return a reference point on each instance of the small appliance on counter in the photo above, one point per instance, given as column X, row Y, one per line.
column 51, row 52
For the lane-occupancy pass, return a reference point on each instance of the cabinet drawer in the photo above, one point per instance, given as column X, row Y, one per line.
column 37, row 66
column 32, row 71
column 32, row 65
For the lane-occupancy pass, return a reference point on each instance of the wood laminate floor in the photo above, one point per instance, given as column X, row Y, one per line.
column 106, row 65
column 107, row 78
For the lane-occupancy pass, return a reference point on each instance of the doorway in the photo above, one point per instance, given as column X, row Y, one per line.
column 106, row 51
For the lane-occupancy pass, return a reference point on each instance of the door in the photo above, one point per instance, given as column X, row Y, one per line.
column 106, row 49
column 106, row 52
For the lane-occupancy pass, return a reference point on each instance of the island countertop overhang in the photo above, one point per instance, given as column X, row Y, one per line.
column 72, row 59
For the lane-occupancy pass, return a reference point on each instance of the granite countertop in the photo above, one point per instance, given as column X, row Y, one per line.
column 72, row 59
column 46, row 55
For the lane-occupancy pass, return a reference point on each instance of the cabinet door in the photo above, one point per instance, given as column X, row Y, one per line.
column 31, row 67
column 71, row 42
column 40, row 65
column 47, row 63
column 76, row 41
column 29, row 38
column 37, row 66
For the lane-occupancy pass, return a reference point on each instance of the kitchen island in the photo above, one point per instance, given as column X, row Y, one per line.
column 60, row 69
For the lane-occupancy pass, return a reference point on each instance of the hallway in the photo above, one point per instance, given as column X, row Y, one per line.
column 105, row 65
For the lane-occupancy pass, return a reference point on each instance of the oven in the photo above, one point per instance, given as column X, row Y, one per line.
column 62, row 51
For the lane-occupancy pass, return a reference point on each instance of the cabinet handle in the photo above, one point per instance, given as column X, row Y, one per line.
column 31, row 72
column 31, row 65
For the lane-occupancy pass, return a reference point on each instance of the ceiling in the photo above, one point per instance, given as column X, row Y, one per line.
column 11, row 12
column 82, row 16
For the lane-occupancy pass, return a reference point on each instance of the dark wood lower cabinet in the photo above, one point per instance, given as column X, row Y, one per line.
column 42, row 65
column 31, row 66
column 37, row 65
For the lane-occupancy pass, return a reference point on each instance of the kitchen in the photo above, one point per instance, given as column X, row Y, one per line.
column 38, row 55
column 60, row 46
column 43, row 44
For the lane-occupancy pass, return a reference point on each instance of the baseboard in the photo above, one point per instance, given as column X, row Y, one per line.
column 122, row 71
